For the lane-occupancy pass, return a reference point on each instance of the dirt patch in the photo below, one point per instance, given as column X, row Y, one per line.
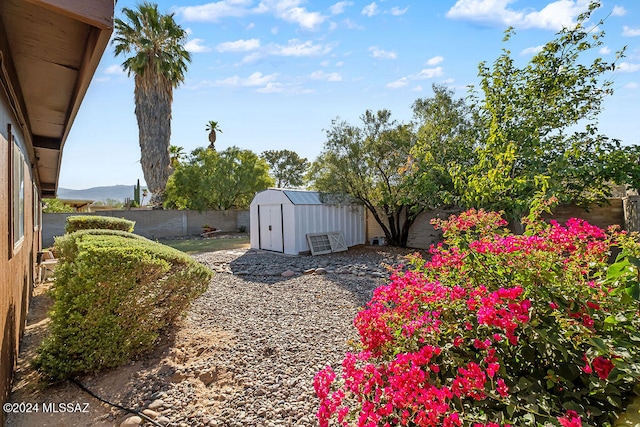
column 178, row 361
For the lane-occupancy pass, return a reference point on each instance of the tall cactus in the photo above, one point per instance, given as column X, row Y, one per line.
column 136, row 194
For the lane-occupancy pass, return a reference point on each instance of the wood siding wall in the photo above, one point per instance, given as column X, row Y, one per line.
column 17, row 262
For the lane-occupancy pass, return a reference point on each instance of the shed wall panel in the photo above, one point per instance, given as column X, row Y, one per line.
column 328, row 218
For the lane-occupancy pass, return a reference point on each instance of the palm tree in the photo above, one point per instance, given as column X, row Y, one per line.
column 212, row 127
column 176, row 155
column 158, row 61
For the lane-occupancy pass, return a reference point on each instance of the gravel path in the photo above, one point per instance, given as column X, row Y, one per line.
column 282, row 330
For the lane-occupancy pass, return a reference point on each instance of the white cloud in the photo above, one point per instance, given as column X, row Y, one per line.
column 250, row 26
column 239, row 46
column 330, row 77
column 116, row 70
column 604, row 50
column 396, row 11
column 351, row 25
column 402, row 82
column 286, row 10
column 632, row 86
column 424, row 74
column 370, row 10
column 293, row 48
column 255, row 79
column 531, row 50
column 252, row 57
column 428, row 73
column 300, row 16
column 212, row 12
column 627, row 67
column 297, row 48
column 417, row 89
column 618, row 11
column 272, row 88
column 382, row 54
column 554, row 16
column 195, row 46
column 630, row 32
column 435, row 60
column 339, row 7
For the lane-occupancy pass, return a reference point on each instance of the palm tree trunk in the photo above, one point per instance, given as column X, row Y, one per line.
column 153, row 96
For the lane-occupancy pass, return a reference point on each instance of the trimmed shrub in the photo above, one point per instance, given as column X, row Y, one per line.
column 114, row 293
column 91, row 222
column 497, row 329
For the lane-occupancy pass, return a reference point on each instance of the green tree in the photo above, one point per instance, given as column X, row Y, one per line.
column 114, row 204
column 154, row 46
column 287, row 167
column 56, row 206
column 540, row 123
column 217, row 180
column 445, row 135
column 369, row 163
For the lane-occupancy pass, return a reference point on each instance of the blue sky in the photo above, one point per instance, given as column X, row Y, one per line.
column 274, row 73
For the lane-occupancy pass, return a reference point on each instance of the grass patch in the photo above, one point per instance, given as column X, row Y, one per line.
column 194, row 246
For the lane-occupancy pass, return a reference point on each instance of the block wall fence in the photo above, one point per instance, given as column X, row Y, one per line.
column 173, row 223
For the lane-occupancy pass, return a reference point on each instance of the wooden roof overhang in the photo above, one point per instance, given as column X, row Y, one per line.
column 49, row 51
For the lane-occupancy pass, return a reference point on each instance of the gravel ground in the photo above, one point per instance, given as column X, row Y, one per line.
column 283, row 330
column 246, row 352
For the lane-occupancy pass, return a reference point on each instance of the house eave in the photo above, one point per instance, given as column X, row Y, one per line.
column 50, row 52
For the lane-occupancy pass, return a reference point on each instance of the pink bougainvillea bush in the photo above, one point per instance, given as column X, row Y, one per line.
column 496, row 329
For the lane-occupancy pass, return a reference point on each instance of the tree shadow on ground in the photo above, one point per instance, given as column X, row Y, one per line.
column 359, row 270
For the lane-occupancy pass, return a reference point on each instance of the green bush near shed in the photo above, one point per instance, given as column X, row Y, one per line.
column 89, row 222
column 114, row 293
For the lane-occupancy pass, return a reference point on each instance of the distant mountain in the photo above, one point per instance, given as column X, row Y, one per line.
column 97, row 194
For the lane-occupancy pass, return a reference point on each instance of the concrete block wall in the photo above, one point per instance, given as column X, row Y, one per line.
column 155, row 224
column 600, row 216
column 422, row 234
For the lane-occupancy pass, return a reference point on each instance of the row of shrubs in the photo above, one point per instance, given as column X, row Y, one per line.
column 114, row 294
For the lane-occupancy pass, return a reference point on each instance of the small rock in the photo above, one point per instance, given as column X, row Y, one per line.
column 178, row 377
column 288, row 273
column 208, row 377
column 156, row 404
column 321, row 270
column 131, row 421
column 163, row 420
column 309, row 271
column 151, row 414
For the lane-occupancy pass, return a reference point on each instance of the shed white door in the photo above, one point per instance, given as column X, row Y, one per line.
column 271, row 237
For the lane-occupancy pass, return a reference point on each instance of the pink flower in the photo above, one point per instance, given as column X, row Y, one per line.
column 502, row 388
column 492, row 368
column 572, row 419
column 602, row 367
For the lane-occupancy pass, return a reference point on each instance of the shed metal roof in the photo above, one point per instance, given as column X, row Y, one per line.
column 300, row 197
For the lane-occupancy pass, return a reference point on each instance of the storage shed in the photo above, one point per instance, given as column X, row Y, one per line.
column 281, row 219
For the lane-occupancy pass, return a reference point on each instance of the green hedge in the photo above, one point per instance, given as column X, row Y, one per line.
column 89, row 222
column 114, row 294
